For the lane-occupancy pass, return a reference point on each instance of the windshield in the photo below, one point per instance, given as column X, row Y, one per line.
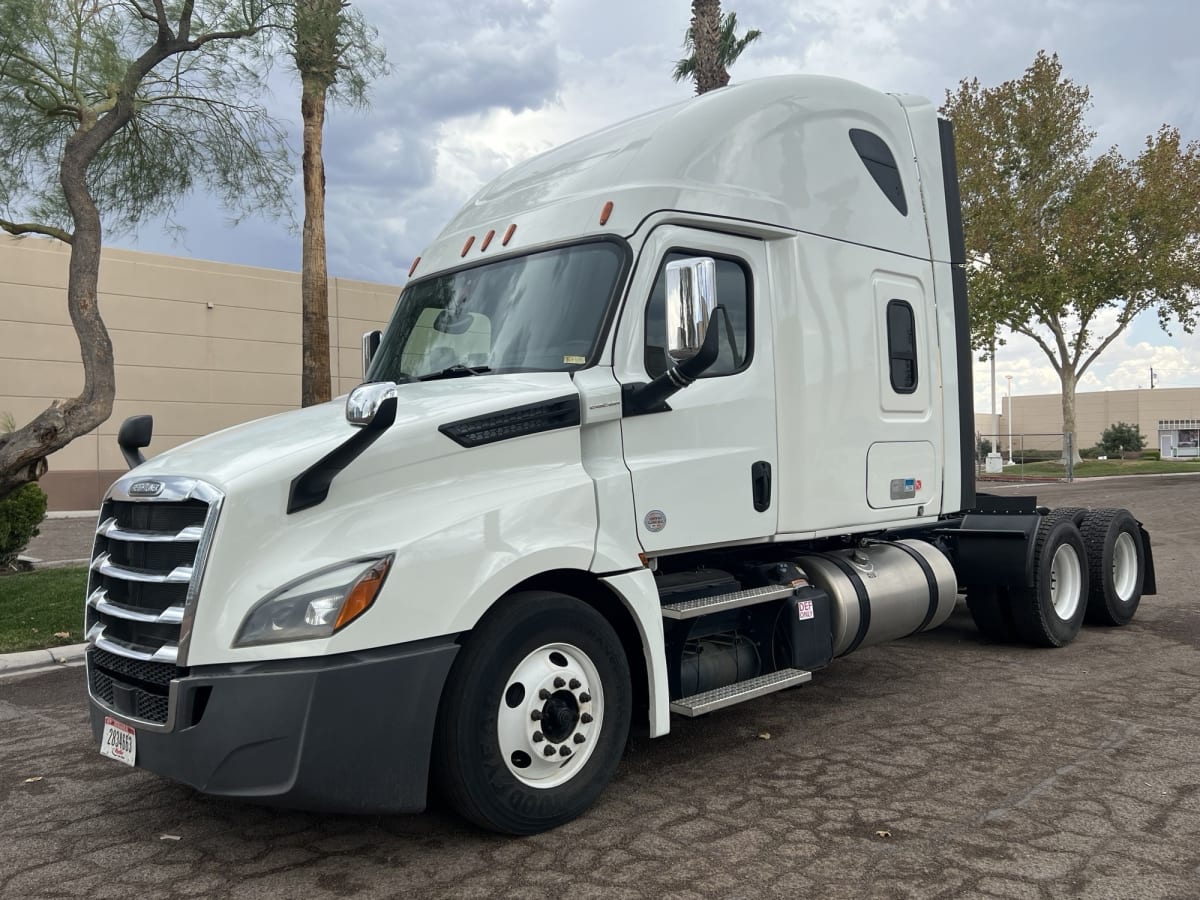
column 541, row 312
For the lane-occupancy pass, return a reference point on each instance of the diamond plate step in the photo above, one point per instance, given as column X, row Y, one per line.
column 739, row 692
column 689, row 609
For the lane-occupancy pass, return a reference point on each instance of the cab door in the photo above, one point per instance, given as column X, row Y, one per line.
column 705, row 471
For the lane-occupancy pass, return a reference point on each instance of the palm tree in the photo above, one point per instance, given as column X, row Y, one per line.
column 711, row 71
column 336, row 55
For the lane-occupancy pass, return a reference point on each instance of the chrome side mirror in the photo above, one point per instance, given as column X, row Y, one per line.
column 368, row 405
column 370, row 344
column 691, row 299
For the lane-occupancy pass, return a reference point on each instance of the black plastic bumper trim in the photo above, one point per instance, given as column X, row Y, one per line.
column 349, row 733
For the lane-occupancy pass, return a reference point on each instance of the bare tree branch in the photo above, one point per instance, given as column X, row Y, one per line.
column 20, row 228
column 1023, row 328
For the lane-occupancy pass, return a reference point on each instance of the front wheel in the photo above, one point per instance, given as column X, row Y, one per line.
column 534, row 716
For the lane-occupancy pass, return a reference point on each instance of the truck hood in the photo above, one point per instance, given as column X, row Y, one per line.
column 292, row 441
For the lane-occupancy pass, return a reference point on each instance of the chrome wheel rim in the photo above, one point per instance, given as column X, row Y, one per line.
column 551, row 713
column 1065, row 581
column 1124, row 566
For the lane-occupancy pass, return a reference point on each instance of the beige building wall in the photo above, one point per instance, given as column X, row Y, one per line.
column 198, row 345
column 1095, row 411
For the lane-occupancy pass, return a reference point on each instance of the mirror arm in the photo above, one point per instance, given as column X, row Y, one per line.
column 652, row 397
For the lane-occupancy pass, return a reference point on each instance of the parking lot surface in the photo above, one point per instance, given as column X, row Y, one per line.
column 936, row 766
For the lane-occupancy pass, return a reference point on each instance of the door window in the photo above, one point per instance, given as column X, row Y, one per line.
column 733, row 293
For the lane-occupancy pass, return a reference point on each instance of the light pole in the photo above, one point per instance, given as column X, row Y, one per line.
column 1009, row 379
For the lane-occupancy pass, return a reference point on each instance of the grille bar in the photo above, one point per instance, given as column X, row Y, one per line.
column 98, row 600
column 167, row 653
column 113, row 531
column 104, row 565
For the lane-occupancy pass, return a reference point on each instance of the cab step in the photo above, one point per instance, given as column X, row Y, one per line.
column 739, row 692
column 702, row 606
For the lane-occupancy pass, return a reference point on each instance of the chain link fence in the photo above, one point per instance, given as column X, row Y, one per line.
column 1025, row 457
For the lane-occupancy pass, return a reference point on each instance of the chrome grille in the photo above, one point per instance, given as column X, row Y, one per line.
column 147, row 561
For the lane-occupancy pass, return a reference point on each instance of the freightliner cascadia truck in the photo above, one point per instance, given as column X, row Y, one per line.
column 666, row 419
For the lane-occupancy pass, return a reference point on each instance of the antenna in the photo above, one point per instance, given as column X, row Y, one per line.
column 1152, row 377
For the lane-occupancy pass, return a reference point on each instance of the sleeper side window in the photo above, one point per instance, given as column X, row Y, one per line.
column 902, row 346
column 734, row 292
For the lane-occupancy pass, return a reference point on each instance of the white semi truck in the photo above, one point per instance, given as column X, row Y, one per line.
column 666, row 419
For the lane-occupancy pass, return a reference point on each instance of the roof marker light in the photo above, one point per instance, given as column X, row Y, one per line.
column 605, row 213
column 467, row 245
column 413, row 267
column 508, row 235
column 487, row 239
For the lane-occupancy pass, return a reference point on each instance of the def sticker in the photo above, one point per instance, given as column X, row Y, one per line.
column 804, row 609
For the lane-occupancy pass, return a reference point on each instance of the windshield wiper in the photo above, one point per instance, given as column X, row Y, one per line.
column 456, row 371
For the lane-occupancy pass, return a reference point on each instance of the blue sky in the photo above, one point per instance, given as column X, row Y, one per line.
column 478, row 87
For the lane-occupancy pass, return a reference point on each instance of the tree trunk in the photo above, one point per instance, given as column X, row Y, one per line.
column 706, row 38
column 314, row 278
column 1068, row 377
column 23, row 452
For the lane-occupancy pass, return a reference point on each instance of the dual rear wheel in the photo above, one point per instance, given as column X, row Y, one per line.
column 1088, row 564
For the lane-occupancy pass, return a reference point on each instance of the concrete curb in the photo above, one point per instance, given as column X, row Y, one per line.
column 13, row 663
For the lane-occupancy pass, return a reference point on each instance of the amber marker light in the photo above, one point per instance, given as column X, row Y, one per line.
column 363, row 594
column 487, row 239
column 508, row 235
column 605, row 213
column 413, row 267
column 467, row 245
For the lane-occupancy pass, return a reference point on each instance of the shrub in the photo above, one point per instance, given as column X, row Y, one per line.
column 1120, row 437
column 1151, row 454
column 985, row 446
column 20, row 514
column 1090, row 452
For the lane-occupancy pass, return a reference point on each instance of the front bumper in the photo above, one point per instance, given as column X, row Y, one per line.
column 346, row 733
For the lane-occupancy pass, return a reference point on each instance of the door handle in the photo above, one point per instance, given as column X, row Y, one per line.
column 760, row 485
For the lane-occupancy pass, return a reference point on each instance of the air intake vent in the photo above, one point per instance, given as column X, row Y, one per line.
column 519, row 421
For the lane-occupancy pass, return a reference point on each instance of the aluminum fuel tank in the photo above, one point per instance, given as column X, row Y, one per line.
column 883, row 590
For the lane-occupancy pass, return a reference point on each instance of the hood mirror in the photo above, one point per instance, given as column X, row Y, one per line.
column 135, row 434
column 372, row 405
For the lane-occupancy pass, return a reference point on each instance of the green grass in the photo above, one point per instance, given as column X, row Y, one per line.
column 37, row 606
column 1091, row 468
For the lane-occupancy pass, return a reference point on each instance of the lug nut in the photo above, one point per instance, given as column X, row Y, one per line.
column 549, row 751
column 579, row 738
column 586, row 718
column 585, row 697
column 536, row 715
column 538, row 737
column 543, row 694
column 574, row 685
column 558, row 682
column 564, row 750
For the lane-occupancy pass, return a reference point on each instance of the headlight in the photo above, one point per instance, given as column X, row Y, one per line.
column 315, row 606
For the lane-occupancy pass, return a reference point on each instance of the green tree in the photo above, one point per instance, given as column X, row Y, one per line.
column 337, row 55
column 112, row 111
column 718, row 47
column 1070, row 247
column 1121, row 437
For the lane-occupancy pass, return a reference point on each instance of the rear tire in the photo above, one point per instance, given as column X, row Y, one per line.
column 1116, row 566
column 1050, row 613
column 516, row 751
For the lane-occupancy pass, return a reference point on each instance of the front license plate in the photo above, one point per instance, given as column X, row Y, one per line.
column 119, row 741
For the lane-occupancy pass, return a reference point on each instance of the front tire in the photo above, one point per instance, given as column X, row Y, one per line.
column 534, row 716
column 1117, row 565
column 1050, row 613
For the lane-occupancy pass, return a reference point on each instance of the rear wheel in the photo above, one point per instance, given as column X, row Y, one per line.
column 535, row 714
column 1116, row 563
column 1050, row 612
